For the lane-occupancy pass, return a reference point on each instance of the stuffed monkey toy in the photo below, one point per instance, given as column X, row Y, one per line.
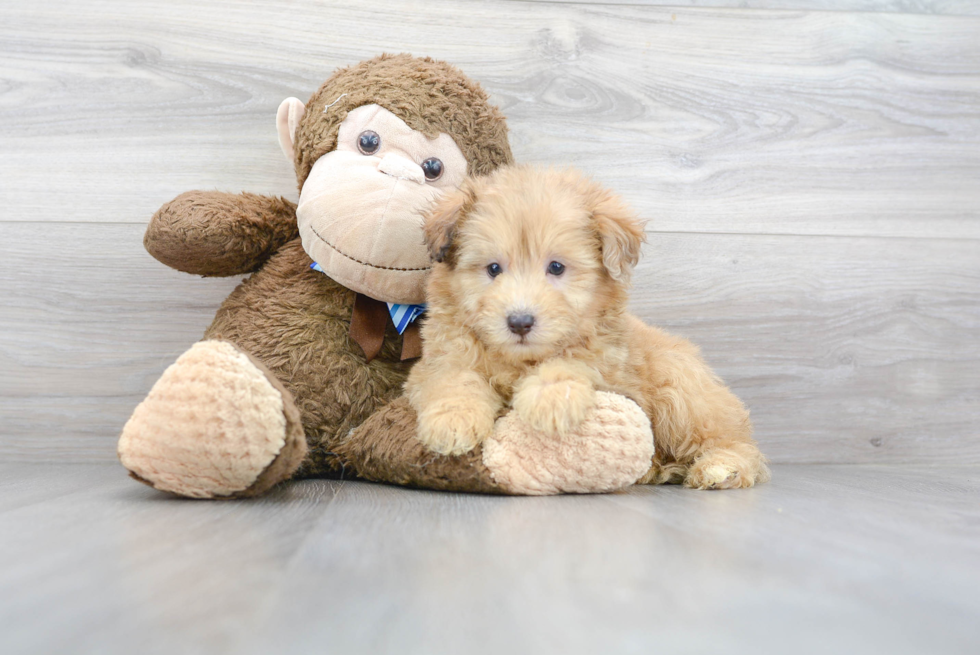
column 301, row 371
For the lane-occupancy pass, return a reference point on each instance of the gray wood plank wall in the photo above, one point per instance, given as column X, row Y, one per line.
column 944, row 7
column 811, row 170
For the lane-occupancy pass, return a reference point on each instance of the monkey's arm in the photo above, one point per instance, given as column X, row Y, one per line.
column 217, row 234
column 385, row 449
column 610, row 450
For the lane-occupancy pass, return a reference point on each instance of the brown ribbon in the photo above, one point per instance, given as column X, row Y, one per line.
column 411, row 342
column 368, row 322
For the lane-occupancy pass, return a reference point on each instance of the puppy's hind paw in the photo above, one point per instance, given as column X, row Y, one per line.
column 717, row 476
column 721, row 470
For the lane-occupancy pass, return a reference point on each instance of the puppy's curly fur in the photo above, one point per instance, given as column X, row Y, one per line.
column 527, row 310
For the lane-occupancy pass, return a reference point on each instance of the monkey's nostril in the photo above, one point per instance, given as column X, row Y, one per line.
column 520, row 323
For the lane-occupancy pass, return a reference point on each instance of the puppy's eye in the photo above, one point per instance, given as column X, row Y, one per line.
column 368, row 142
column 432, row 168
column 494, row 269
column 556, row 268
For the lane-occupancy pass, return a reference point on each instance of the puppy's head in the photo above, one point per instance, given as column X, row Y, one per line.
column 531, row 260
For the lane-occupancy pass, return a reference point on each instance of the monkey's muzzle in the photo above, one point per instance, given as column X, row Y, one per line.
column 361, row 220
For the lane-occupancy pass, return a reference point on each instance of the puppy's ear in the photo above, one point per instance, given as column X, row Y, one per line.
column 620, row 231
column 444, row 219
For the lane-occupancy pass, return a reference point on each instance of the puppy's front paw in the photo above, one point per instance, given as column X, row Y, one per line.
column 554, row 404
column 454, row 428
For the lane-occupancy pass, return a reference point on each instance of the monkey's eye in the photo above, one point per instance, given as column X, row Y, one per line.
column 368, row 142
column 494, row 269
column 432, row 168
column 556, row 268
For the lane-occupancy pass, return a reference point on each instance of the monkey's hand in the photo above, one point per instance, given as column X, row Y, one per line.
column 219, row 234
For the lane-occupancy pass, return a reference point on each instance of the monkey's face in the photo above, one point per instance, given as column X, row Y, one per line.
column 361, row 209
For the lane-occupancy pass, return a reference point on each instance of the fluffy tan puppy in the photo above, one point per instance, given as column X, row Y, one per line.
column 527, row 310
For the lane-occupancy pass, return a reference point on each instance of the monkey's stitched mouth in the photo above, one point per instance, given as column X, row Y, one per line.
column 362, row 263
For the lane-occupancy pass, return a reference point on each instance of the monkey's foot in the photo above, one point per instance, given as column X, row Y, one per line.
column 611, row 449
column 217, row 424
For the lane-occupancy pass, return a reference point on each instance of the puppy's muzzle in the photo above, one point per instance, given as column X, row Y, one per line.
column 520, row 323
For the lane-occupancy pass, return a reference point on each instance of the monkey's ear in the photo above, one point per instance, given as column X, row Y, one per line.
column 621, row 233
column 443, row 220
column 287, row 120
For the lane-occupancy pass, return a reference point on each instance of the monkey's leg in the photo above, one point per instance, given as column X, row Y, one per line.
column 611, row 449
column 217, row 424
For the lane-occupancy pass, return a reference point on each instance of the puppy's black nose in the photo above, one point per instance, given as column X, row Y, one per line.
column 520, row 323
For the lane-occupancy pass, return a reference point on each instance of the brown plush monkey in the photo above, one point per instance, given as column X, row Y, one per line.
column 303, row 352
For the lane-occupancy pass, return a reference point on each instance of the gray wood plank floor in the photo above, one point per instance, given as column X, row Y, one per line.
column 825, row 559
column 810, row 169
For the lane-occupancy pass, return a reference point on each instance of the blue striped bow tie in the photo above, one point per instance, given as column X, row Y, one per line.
column 401, row 315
